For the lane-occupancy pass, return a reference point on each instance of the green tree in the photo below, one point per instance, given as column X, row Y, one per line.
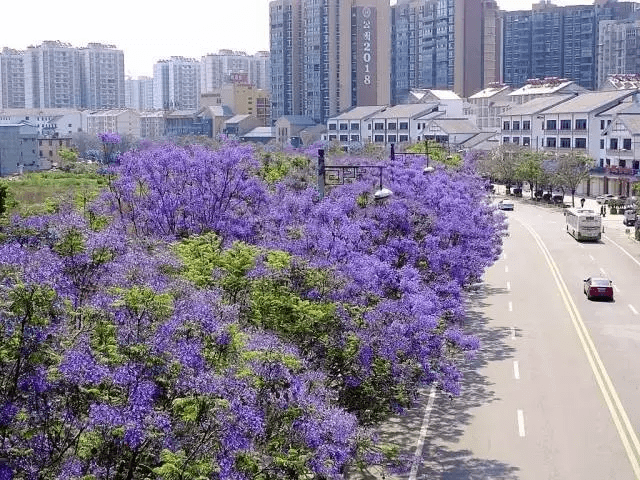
column 529, row 169
column 502, row 163
column 573, row 169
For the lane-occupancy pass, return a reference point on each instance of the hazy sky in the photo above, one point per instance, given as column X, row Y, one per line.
column 148, row 31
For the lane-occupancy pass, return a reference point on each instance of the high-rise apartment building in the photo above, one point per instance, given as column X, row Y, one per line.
column 285, row 38
column 557, row 41
column 223, row 67
column 102, row 76
column 445, row 44
column 53, row 76
column 227, row 66
column 58, row 75
column 139, row 93
column 176, row 84
column 329, row 55
column 260, row 71
column 618, row 49
column 11, row 79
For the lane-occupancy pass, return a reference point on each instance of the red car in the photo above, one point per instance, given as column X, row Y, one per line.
column 598, row 288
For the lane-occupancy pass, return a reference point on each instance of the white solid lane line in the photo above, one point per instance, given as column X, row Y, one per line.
column 513, row 333
column 592, row 259
column 506, row 269
column 635, row 312
column 511, row 306
column 603, row 272
column 616, row 287
column 521, row 423
column 423, row 433
column 516, row 370
column 508, row 285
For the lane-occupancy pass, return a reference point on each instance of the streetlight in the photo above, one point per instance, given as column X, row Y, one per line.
column 339, row 173
column 427, row 169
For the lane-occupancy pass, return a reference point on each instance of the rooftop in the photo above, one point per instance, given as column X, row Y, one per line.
column 590, row 101
column 537, row 105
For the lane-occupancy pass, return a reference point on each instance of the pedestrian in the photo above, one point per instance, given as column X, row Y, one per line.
column 582, row 200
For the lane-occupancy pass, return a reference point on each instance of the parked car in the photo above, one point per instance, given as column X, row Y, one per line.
column 598, row 287
column 557, row 198
column 604, row 199
column 505, row 205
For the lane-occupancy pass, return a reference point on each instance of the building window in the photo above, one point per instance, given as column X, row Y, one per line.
column 404, row 125
column 516, row 140
column 581, row 124
column 526, row 125
column 391, row 138
column 551, row 142
column 344, row 126
column 505, row 139
column 613, row 144
column 626, row 144
column 516, row 125
column 565, row 124
column 332, row 137
column 391, row 126
column 355, row 138
column 355, row 126
column 378, row 126
column 551, row 125
column 602, row 144
column 332, row 126
column 565, row 143
column 526, row 141
column 622, row 163
column 404, row 138
column 581, row 143
column 601, row 124
column 344, row 138
column 378, row 138
column 608, row 162
column 505, row 125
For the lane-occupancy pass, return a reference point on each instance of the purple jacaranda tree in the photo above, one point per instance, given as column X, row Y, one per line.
column 281, row 327
column 113, row 368
column 110, row 141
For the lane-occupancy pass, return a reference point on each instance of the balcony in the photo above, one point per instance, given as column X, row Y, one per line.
column 616, row 171
column 615, row 153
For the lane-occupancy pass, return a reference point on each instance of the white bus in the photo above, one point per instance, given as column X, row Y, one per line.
column 583, row 223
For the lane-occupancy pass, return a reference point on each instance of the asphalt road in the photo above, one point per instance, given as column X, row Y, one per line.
column 554, row 391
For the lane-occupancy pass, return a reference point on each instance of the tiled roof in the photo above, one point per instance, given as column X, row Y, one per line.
column 359, row 113
column 590, row 101
column 537, row 105
column 489, row 92
column 456, row 125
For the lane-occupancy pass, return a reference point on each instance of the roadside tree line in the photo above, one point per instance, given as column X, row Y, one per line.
column 514, row 165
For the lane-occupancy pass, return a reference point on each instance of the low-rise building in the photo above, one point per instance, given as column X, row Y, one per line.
column 485, row 106
column 122, row 121
column 152, row 124
column 617, row 169
column 18, row 148
column 288, row 128
column 239, row 125
column 48, row 121
column 49, row 148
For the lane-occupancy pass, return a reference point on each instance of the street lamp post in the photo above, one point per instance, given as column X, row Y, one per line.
column 337, row 174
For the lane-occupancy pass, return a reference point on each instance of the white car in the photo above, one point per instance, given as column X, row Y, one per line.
column 505, row 205
column 604, row 198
